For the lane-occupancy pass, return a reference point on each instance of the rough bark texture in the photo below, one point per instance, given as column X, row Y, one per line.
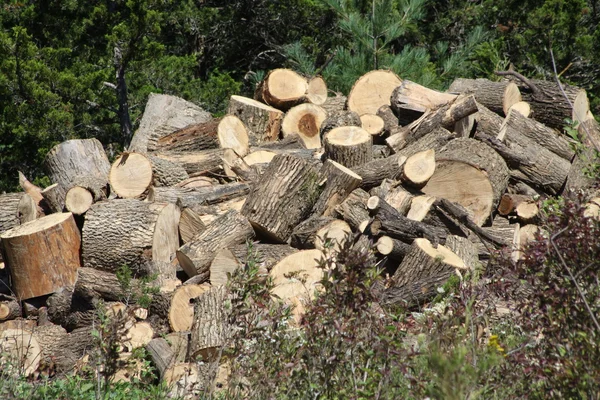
column 190, row 197
column 581, row 175
column 353, row 210
column 267, row 255
column 341, row 118
column 263, row 122
column 231, row 228
column 488, row 93
column 201, row 136
column 374, row 172
column 339, row 183
column 43, row 255
column 210, row 329
column 166, row 173
column 435, row 140
column 9, row 210
column 196, row 163
column 348, row 145
column 283, row 196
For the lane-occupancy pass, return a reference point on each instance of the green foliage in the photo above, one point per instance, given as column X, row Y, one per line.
column 138, row 291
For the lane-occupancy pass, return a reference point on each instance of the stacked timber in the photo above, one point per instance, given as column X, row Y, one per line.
column 430, row 182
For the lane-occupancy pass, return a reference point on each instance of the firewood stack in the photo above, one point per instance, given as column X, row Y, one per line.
column 431, row 181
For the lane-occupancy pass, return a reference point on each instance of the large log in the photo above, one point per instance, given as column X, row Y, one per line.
column 282, row 197
column 353, row 210
column 199, row 136
column 9, row 210
column 371, row 91
column 43, row 255
column 304, row 120
column 210, row 330
column 130, row 232
column 195, row 256
column 163, row 115
column 262, row 121
column 190, row 197
column 165, row 172
column 75, row 158
column 283, row 89
column 348, row 145
column 130, row 175
column 489, row 93
column 181, row 308
column 582, row 174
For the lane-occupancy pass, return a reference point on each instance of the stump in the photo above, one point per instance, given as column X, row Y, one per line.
column 43, row 255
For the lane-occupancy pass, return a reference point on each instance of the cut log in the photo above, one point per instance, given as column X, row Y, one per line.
column 85, row 191
column 392, row 248
column 284, row 89
column 581, row 175
column 210, row 329
column 509, row 203
column 93, row 285
column 304, row 235
column 232, row 134
column 28, row 210
column 165, row 172
column 262, row 121
column 296, row 277
column 43, row 255
column 348, row 145
column 34, row 192
column 190, row 197
column 418, row 97
column 465, row 126
column 419, row 208
column 390, row 121
column 196, row 162
column 224, row 264
column 130, row 232
column 75, row 158
column 316, row 93
column 399, row 198
column 334, row 104
column 49, row 337
column 540, row 134
column 195, row 256
column 163, row 115
column 190, row 224
column 434, row 140
column 131, row 175
column 512, row 96
column 466, row 250
column 353, row 210
column 10, row 308
column 336, row 120
column 197, row 181
column 374, row 172
column 266, row 255
column 373, row 124
column 9, row 210
column 305, row 120
column 490, row 94
column 339, row 183
column 183, row 379
column 399, row 138
column 181, row 310
column 139, row 335
column 522, row 108
column 471, row 174
column 419, row 168
column 162, row 355
column 52, row 201
column 201, row 136
column 20, row 352
column 372, row 91
column 283, row 196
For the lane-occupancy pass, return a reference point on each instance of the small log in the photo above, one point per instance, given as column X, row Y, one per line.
column 399, row 138
column 581, row 174
column 165, row 172
column 465, row 126
column 283, row 89
column 190, row 224
column 131, row 175
column 490, row 94
column 392, row 248
column 34, row 192
column 200, row 136
column 190, row 197
column 305, row 120
column 316, row 93
column 266, row 255
column 399, row 198
column 183, row 379
column 262, row 121
column 86, row 191
column 9, row 210
column 210, row 329
column 418, row 97
column 339, row 183
column 467, row 160
column 353, row 210
column 161, row 354
column 139, row 335
column 419, row 168
column 28, row 209
column 42, row 255
column 196, row 163
column 522, row 108
column 52, row 201
column 49, row 337
column 373, row 124
column 527, row 213
column 9, row 308
column 374, row 172
column 348, row 145
column 195, row 256
column 304, row 235
column 197, row 181
column 390, row 121
column 509, row 203
column 181, row 309
column 435, row 140
column 130, row 232
column 466, row 250
column 283, row 196
column 338, row 119
column 371, row 91
column 232, row 134
column 75, row 158
column 163, row 115
column 383, row 189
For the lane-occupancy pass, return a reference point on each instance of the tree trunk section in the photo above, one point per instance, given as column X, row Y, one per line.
column 9, row 210
column 283, row 89
column 353, row 210
column 262, row 121
column 198, row 196
column 203, row 162
column 338, row 119
column 210, row 329
column 339, row 183
column 419, row 168
column 232, row 134
column 201, row 136
column 165, row 172
column 371, row 91
column 305, row 120
column 374, row 172
column 190, row 224
column 348, row 145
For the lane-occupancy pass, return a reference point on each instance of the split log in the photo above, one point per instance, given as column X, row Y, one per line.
column 399, row 138
column 10, row 308
column 342, row 118
column 130, row 175
column 34, row 192
column 444, row 117
column 183, row 379
column 353, row 210
column 224, row 264
column 75, row 158
column 196, row 162
column 471, row 174
column 348, row 145
column 20, row 352
column 541, row 134
column 339, row 183
column 262, row 121
column 232, row 134
column 495, row 96
column 581, row 175
column 399, row 198
column 43, row 255
column 372, row 91
column 195, row 256
column 28, row 210
column 282, row 197
column 190, row 197
column 190, row 224
column 181, row 309
column 163, row 115
column 466, row 250
column 201, row 136
column 304, row 120
column 385, row 186
column 465, row 127
column 373, row 124
column 210, row 329
column 392, row 248
column 374, row 172
column 283, row 89
column 419, row 168
column 130, row 232
column 165, row 172
column 419, row 207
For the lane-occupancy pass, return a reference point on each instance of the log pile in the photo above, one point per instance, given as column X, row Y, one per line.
column 429, row 181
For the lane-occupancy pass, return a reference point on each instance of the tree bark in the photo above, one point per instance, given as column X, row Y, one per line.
column 200, row 136
column 349, row 146
column 374, row 172
column 262, row 121
column 339, row 183
column 190, row 197
column 210, row 330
